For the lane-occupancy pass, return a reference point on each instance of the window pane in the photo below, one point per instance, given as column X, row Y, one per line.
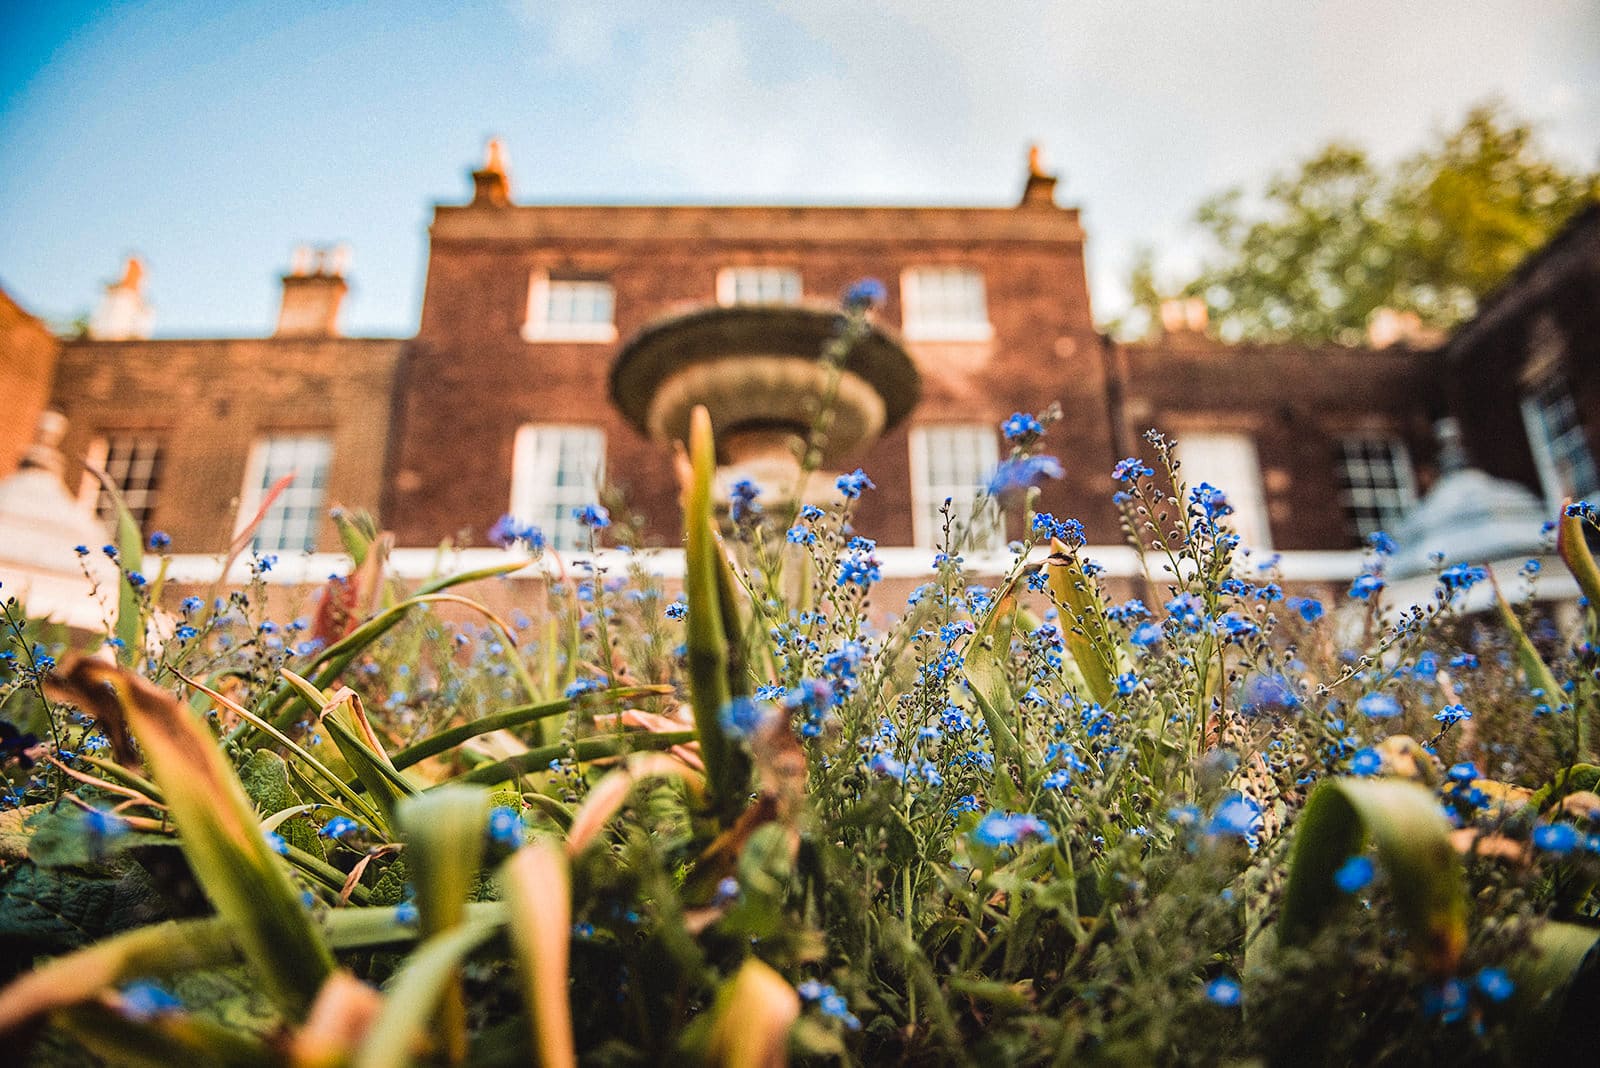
column 290, row 525
column 133, row 463
column 557, row 469
column 955, row 463
column 1560, row 448
column 759, row 285
column 1229, row 462
column 578, row 303
column 1376, row 486
column 945, row 300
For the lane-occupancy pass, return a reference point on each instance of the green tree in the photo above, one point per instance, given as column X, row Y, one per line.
column 1327, row 244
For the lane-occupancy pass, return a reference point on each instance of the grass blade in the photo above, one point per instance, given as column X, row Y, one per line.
column 539, row 896
column 707, row 636
column 754, row 1013
column 409, row 1008
column 599, row 747
column 445, row 835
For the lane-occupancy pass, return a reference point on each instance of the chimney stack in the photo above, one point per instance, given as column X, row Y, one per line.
column 491, row 186
column 123, row 314
column 312, row 292
column 1389, row 327
column 1184, row 315
column 1040, row 191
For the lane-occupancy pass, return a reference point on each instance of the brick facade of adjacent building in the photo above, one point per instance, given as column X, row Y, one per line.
column 27, row 365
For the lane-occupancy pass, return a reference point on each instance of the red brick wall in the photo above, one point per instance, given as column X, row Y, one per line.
column 470, row 380
column 209, row 400
column 27, row 364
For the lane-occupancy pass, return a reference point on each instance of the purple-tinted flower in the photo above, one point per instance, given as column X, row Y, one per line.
column 1130, row 469
column 1461, row 577
column 1366, row 762
column 1238, row 816
column 1557, row 838
column 1495, row 984
column 593, row 516
column 1014, row 476
column 1378, row 705
column 1365, row 585
column 1310, row 608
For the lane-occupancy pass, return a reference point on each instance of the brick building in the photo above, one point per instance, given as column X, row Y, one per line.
column 557, row 344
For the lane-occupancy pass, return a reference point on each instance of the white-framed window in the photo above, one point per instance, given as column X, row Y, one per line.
column 1230, row 463
column 133, row 463
column 1376, row 485
column 758, row 285
column 569, row 309
column 945, row 304
column 1560, row 449
column 554, row 470
column 290, row 524
column 955, row 462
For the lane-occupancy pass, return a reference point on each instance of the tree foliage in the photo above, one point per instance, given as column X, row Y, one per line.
column 1328, row 243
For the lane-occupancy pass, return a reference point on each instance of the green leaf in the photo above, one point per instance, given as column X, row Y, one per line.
column 265, row 776
column 1566, row 781
column 62, row 839
column 446, row 834
column 1085, row 629
column 219, row 830
column 1557, row 985
column 1412, row 836
column 1534, row 668
column 988, row 672
column 165, row 1040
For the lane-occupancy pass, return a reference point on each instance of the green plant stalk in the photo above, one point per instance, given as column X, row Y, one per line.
column 444, row 740
column 707, row 636
column 585, row 749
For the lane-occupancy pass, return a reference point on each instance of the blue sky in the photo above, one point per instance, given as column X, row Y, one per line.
column 212, row 138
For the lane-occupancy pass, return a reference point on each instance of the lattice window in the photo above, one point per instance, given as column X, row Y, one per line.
column 945, row 304
column 1560, row 448
column 133, row 462
column 955, row 462
column 758, row 285
column 570, row 309
column 556, row 469
column 290, row 525
column 1376, row 485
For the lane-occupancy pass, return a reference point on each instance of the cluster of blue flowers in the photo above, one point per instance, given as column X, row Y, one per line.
column 854, row 484
column 1021, row 473
column 1131, row 470
column 1022, row 428
column 829, row 1002
column 508, row 532
column 1069, row 531
column 742, row 506
column 858, row 565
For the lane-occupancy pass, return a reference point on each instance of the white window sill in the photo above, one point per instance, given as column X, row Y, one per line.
column 599, row 333
column 948, row 331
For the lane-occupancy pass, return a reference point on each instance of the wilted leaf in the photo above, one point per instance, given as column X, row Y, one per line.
column 538, row 896
column 754, row 1012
